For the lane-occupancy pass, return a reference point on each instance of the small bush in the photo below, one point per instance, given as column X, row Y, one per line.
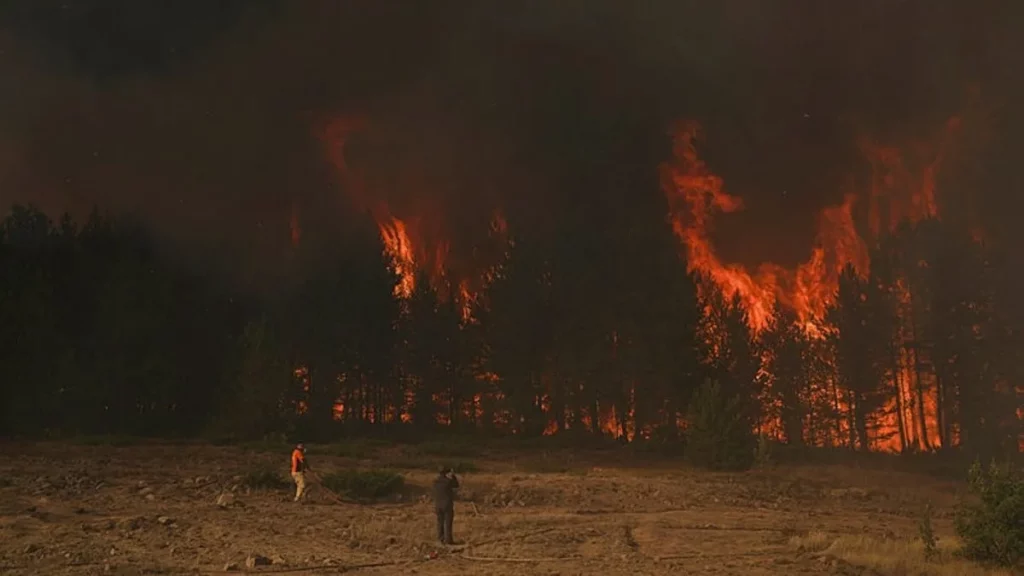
column 356, row 448
column 927, row 533
column 454, row 447
column 763, row 452
column 265, row 479
column 991, row 529
column 364, row 484
column 432, row 464
column 719, row 434
column 116, row 440
column 550, row 465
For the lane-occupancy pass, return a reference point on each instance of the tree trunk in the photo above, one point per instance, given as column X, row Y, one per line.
column 897, row 381
column 914, row 344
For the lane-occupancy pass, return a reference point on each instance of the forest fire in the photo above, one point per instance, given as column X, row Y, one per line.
column 898, row 196
column 413, row 250
column 901, row 192
column 696, row 196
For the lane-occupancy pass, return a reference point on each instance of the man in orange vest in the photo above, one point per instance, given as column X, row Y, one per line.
column 299, row 468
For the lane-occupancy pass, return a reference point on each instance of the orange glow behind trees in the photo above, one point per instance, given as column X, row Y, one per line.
column 901, row 194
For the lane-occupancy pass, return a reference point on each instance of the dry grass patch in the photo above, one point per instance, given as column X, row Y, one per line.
column 893, row 557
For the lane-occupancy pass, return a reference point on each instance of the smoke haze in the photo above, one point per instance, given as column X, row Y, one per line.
column 206, row 119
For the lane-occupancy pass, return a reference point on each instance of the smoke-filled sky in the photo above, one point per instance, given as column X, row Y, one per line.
column 203, row 117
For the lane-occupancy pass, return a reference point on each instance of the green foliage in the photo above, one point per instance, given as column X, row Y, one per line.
column 550, row 464
column 450, row 447
column 927, row 533
column 255, row 404
column 355, row 448
column 462, row 466
column 763, row 452
column 364, row 484
column 106, row 440
column 403, row 462
column 265, row 479
column 718, row 434
column 992, row 529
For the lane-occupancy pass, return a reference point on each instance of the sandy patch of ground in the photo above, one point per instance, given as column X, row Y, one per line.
column 69, row 509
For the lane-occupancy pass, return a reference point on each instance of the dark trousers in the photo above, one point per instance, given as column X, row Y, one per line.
column 445, row 516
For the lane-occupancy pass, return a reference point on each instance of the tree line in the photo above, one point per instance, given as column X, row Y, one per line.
column 596, row 330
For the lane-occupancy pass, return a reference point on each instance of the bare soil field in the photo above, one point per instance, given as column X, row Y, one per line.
column 184, row 509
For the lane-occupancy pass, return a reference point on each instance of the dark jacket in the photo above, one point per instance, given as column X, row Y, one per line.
column 444, row 491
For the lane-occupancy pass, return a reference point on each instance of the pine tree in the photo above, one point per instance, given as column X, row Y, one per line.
column 860, row 337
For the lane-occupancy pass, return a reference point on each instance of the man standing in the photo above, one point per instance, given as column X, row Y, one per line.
column 299, row 468
column 444, row 503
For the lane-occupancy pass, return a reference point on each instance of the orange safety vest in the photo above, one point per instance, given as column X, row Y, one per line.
column 298, row 461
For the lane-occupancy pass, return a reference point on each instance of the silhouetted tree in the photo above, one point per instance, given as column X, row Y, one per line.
column 862, row 331
column 787, row 351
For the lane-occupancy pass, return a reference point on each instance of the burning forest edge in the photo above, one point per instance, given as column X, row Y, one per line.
column 903, row 337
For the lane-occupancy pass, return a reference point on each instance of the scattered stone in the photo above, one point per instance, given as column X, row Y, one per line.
column 150, row 497
column 130, row 523
column 164, row 520
column 278, row 560
column 256, row 560
column 188, row 481
column 31, row 548
column 146, row 490
column 226, row 499
column 237, row 479
column 231, row 567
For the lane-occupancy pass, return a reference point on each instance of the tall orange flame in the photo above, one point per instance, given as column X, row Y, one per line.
column 897, row 194
column 412, row 242
column 696, row 196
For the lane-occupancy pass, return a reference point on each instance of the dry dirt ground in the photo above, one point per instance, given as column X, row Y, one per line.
column 79, row 509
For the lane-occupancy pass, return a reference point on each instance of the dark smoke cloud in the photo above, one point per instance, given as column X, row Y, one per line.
column 202, row 117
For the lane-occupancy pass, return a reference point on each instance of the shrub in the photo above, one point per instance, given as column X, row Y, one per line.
column 927, row 533
column 265, row 479
column 763, row 452
column 551, row 464
column 992, row 529
column 115, row 440
column 452, row 447
column 364, row 484
column 427, row 463
column 719, row 434
column 355, row 448
column 462, row 467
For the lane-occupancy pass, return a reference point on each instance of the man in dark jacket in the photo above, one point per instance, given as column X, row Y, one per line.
column 444, row 504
